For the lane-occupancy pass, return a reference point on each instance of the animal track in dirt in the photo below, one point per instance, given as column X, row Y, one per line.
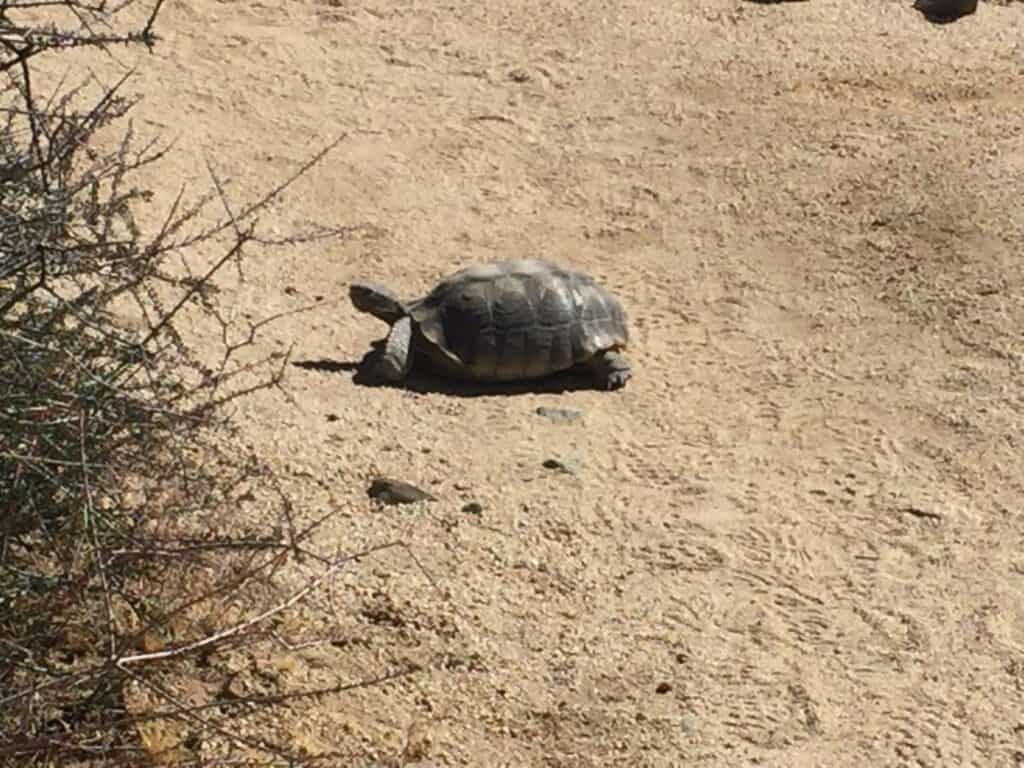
column 683, row 555
column 893, row 631
column 770, row 561
column 802, row 617
column 654, row 465
column 768, row 547
column 924, row 728
column 765, row 709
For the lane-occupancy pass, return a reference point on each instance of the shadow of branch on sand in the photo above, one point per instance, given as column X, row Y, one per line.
column 327, row 366
column 424, row 380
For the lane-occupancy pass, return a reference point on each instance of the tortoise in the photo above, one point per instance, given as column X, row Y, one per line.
column 503, row 321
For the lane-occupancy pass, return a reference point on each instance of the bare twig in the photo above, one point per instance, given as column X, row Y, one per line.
column 249, row 623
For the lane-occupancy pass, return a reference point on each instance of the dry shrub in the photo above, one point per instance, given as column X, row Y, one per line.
column 117, row 461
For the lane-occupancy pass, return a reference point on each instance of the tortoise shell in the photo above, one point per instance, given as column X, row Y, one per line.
column 516, row 319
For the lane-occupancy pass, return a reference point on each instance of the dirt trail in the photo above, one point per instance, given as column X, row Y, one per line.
column 794, row 538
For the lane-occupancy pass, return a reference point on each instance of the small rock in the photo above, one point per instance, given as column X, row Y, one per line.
column 559, row 415
column 233, row 688
column 663, row 687
column 389, row 491
column 560, row 466
column 332, row 417
column 519, row 76
column 473, row 508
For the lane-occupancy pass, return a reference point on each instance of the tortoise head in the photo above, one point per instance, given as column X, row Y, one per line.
column 377, row 301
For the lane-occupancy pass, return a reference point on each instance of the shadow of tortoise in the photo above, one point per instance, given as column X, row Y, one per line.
column 424, row 379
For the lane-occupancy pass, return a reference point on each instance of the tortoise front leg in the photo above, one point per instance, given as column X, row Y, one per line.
column 611, row 369
column 396, row 357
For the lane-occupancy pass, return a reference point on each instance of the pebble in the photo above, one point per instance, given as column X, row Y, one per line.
column 559, row 415
column 559, row 465
column 390, row 491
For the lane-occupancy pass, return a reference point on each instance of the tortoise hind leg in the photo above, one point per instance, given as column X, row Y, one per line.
column 611, row 369
column 396, row 356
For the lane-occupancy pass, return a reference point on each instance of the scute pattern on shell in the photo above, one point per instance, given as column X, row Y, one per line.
column 518, row 319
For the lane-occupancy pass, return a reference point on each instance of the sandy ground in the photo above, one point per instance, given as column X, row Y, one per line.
column 794, row 539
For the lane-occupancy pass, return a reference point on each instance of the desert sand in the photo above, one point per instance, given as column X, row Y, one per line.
column 794, row 538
